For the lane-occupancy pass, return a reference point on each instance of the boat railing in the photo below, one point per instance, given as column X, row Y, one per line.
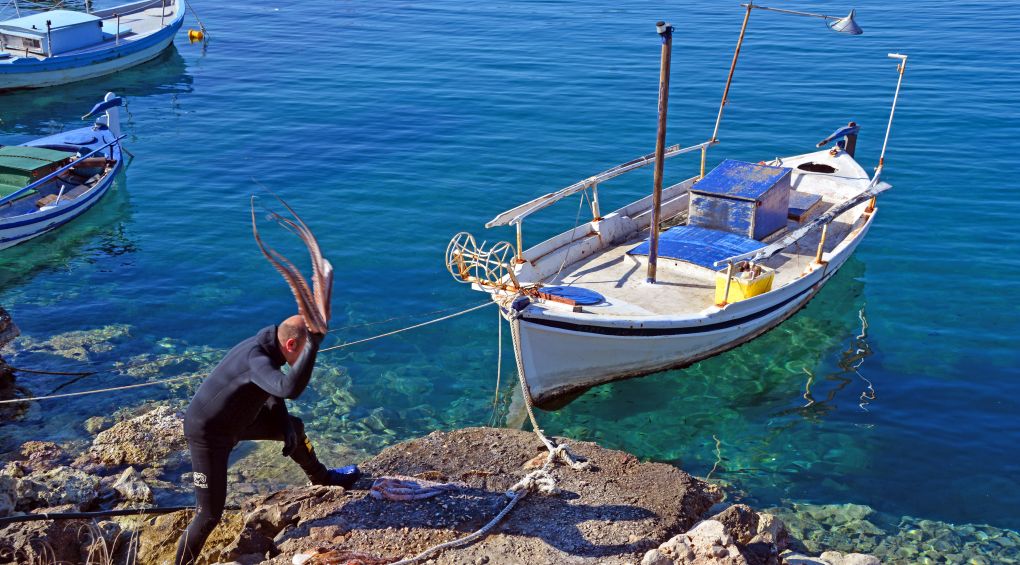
column 23, row 191
column 133, row 7
column 875, row 188
column 516, row 216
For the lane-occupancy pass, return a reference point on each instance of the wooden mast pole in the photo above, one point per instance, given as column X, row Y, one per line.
column 666, row 33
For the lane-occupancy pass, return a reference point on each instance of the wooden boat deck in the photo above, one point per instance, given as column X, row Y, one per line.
column 681, row 287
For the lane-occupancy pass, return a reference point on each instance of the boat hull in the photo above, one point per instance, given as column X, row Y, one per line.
column 84, row 66
column 19, row 229
column 562, row 359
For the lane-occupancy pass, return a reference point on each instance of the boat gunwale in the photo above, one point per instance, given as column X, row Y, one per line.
column 87, row 197
column 95, row 54
column 719, row 315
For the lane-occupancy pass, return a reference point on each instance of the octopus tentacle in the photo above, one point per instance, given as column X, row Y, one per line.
column 313, row 305
column 321, row 268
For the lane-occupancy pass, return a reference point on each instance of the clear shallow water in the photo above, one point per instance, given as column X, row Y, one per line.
column 393, row 127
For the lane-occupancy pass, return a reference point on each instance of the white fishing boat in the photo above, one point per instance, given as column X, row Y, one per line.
column 62, row 46
column 50, row 181
column 736, row 251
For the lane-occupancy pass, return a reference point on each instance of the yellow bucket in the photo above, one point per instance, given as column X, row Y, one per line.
column 743, row 287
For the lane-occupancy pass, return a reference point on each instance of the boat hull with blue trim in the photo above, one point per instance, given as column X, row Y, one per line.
column 632, row 327
column 129, row 35
column 50, row 181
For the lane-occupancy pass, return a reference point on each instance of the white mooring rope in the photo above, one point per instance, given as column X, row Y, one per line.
column 540, row 480
column 173, row 379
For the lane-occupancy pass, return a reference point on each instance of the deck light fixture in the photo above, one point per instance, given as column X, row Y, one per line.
column 842, row 25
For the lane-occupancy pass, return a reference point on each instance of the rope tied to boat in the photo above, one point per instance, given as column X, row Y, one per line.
column 124, row 367
column 540, row 481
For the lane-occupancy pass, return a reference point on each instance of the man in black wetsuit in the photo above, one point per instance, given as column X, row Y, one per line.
column 243, row 399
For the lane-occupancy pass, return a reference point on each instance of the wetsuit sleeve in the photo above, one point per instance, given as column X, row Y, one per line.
column 291, row 385
column 278, row 411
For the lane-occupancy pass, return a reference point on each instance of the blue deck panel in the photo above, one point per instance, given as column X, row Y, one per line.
column 737, row 179
column 700, row 246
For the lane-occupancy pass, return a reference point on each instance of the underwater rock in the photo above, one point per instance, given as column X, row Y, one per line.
column 8, row 388
column 132, row 487
column 79, row 345
column 8, row 329
column 837, row 558
column 829, row 558
column 96, row 424
column 149, row 439
column 903, row 540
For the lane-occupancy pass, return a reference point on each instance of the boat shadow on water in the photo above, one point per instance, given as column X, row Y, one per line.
column 98, row 234
column 31, row 112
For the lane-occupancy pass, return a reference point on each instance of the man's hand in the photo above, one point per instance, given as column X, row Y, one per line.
column 315, row 338
column 290, row 439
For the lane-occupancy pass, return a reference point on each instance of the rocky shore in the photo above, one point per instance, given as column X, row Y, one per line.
column 618, row 510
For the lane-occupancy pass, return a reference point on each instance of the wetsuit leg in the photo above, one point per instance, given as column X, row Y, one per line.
column 265, row 427
column 210, row 469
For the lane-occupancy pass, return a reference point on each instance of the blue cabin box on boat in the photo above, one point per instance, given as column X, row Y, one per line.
column 52, row 33
column 742, row 198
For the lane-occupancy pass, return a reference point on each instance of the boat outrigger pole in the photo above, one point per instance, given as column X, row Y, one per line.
column 842, row 25
column 666, row 33
column 900, row 68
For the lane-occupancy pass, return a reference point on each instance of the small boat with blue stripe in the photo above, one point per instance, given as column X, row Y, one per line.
column 696, row 268
column 62, row 46
column 48, row 182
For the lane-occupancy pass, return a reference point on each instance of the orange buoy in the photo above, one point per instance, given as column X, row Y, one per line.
column 195, row 35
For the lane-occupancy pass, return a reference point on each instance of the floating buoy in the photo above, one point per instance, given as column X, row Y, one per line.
column 195, row 35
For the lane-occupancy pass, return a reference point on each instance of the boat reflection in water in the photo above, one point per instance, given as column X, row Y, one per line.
column 96, row 234
column 43, row 111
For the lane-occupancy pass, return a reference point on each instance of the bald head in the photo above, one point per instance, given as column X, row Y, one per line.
column 291, row 335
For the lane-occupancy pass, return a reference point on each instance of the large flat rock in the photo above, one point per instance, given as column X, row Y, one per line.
column 611, row 513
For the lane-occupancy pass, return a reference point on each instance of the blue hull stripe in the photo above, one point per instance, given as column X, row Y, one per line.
column 53, row 226
column 686, row 330
column 86, row 202
column 93, row 57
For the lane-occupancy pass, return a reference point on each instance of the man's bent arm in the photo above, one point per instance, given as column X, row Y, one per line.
column 291, row 385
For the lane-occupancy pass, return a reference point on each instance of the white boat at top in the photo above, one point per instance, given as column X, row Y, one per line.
column 50, row 181
column 738, row 250
column 62, row 46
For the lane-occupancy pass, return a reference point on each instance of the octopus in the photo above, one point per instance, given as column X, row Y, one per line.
column 323, row 556
column 314, row 301
column 399, row 487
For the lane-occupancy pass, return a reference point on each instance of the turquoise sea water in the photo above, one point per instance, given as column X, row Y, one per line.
column 392, row 126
